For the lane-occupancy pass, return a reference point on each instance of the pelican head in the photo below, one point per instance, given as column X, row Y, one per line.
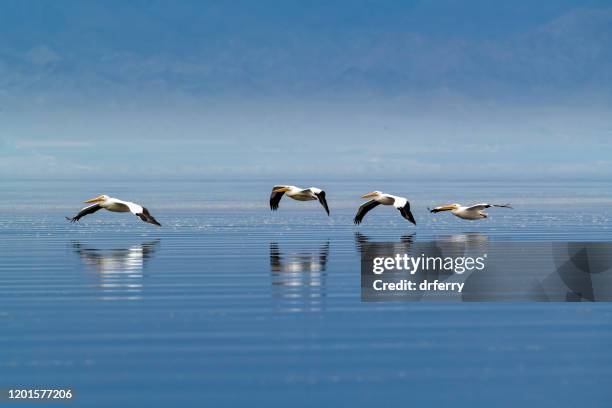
column 372, row 194
column 98, row 199
column 281, row 189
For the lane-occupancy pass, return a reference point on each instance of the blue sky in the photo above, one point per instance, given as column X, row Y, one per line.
column 314, row 89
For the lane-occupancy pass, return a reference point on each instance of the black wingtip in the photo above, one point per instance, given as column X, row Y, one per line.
column 321, row 197
column 146, row 216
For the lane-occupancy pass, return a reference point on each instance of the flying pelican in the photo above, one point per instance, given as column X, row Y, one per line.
column 400, row 203
column 114, row 205
column 299, row 194
column 473, row 212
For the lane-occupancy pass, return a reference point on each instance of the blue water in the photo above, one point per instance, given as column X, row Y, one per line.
column 230, row 304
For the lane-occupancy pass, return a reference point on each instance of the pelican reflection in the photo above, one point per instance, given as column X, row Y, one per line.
column 298, row 277
column 119, row 271
column 463, row 244
column 363, row 242
column 469, row 239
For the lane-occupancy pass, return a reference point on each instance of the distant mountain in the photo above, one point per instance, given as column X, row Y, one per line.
column 202, row 47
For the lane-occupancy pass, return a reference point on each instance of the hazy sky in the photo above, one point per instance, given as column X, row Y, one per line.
column 306, row 89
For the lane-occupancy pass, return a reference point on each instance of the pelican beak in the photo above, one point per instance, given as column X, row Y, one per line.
column 281, row 190
column 372, row 194
column 94, row 200
column 446, row 208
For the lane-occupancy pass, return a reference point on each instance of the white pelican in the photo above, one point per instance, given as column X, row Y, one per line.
column 299, row 194
column 400, row 203
column 473, row 212
column 115, row 205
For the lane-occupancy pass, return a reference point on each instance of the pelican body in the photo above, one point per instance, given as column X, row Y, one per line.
column 114, row 205
column 472, row 212
column 299, row 194
column 400, row 203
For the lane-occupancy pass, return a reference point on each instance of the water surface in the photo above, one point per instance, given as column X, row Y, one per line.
column 229, row 303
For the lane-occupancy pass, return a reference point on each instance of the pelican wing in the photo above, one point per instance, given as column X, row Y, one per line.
column 405, row 211
column 141, row 213
column 85, row 211
column 482, row 206
column 321, row 197
column 146, row 216
column 275, row 198
column 363, row 210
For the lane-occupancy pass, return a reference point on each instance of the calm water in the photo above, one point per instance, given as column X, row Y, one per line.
column 231, row 304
